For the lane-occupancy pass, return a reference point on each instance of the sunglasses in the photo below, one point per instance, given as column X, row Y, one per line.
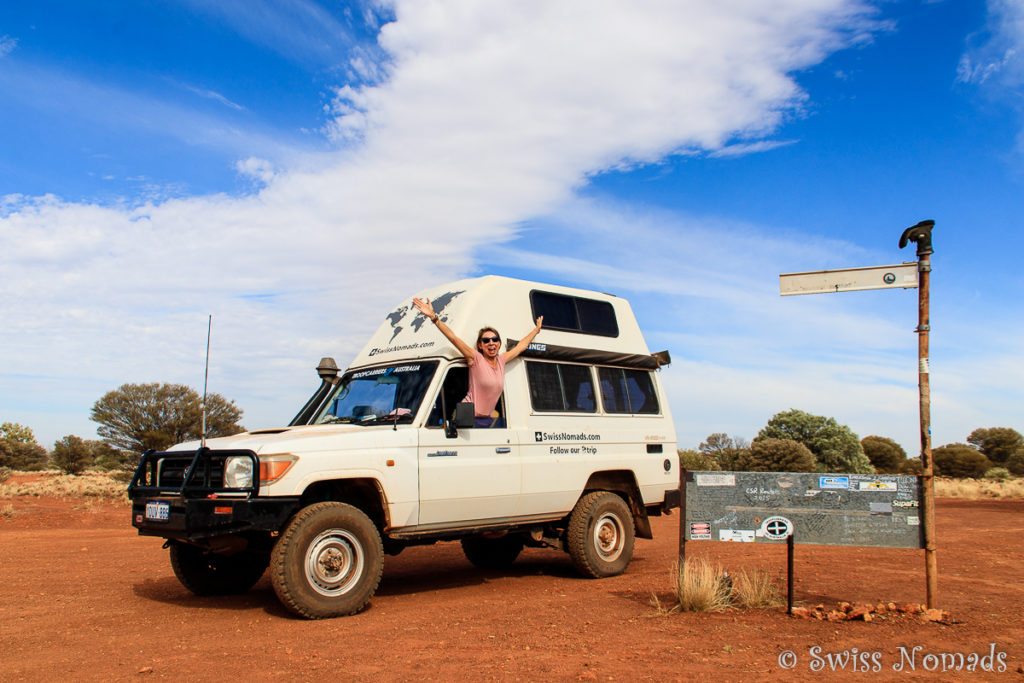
column 488, row 340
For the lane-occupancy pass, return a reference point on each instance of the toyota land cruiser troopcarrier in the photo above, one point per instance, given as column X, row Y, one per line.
column 386, row 455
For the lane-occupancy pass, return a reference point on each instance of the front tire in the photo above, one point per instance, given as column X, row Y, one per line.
column 327, row 562
column 206, row 573
column 492, row 553
column 600, row 535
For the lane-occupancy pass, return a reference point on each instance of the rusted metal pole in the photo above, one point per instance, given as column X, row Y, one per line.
column 682, row 521
column 789, row 573
column 924, row 268
column 921, row 235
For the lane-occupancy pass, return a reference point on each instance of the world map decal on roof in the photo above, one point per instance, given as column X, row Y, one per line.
column 397, row 316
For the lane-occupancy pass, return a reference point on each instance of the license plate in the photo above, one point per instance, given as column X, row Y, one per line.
column 158, row 512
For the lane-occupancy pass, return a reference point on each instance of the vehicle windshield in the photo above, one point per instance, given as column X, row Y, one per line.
column 379, row 396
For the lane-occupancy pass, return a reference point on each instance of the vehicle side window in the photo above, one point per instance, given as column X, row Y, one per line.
column 560, row 387
column 456, row 384
column 627, row 391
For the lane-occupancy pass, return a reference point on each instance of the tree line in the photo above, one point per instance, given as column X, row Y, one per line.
column 132, row 419
column 796, row 441
column 136, row 417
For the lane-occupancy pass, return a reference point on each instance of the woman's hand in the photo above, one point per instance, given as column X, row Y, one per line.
column 424, row 307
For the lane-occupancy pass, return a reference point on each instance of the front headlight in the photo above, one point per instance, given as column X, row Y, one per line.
column 238, row 472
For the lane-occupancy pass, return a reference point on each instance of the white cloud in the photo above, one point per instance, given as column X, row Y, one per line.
column 215, row 96
column 491, row 114
column 7, row 45
column 742, row 149
column 998, row 54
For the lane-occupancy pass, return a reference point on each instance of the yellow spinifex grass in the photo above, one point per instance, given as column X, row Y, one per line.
column 702, row 586
column 755, row 589
column 976, row 489
column 89, row 484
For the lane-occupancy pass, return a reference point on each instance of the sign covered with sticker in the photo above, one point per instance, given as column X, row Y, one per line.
column 812, row 508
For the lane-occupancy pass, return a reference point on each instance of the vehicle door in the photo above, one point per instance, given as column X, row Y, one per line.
column 473, row 476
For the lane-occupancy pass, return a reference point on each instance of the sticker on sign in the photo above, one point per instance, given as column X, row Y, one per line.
column 716, row 480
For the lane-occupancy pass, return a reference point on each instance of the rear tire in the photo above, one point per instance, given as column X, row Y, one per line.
column 327, row 562
column 600, row 535
column 206, row 573
column 492, row 553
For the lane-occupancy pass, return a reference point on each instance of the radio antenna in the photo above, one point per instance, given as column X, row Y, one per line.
column 206, row 375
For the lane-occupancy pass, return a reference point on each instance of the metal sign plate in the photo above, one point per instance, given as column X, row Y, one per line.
column 820, row 509
column 903, row 275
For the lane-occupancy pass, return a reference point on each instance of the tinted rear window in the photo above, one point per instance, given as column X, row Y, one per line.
column 575, row 314
column 560, row 387
column 627, row 391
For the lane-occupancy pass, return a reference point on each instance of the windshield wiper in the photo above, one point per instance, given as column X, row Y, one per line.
column 389, row 419
column 334, row 419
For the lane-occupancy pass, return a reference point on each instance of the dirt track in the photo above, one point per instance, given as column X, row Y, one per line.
column 83, row 597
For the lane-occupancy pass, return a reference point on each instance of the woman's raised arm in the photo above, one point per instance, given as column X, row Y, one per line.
column 427, row 309
column 524, row 342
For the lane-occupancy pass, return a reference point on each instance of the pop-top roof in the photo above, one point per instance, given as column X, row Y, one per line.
column 573, row 319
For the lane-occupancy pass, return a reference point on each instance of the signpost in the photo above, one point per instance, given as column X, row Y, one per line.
column 849, row 279
column 882, row 277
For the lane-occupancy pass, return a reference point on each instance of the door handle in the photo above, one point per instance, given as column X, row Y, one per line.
column 502, row 449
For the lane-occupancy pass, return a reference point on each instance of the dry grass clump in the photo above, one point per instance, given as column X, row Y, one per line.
column 702, row 586
column 55, row 484
column 756, row 590
column 975, row 489
column 705, row 587
column 7, row 511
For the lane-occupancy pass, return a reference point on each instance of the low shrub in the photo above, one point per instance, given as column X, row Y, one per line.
column 702, row 587
column 690, row 459
column 756, row 590
column 998, row 474
column 959, row 460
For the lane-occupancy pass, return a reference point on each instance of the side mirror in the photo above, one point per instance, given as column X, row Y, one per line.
column 465, row 417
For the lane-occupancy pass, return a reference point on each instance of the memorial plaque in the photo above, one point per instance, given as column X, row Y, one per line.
column 821, row 509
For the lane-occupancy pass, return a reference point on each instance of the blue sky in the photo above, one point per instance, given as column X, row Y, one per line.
column 297, row 168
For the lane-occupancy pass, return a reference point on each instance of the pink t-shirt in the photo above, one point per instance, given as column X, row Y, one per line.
column 485, row 384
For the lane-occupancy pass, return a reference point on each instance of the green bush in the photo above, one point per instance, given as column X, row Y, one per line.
column 71, row 455
column 777, row 455
column 885, row 455
column 998, row 444
column 1016, row 463
column 18, row 448
column 726, row 450
column 834, row 446
column 960, row 460
column 912, row 466
column 690, row 459
column 998, row 474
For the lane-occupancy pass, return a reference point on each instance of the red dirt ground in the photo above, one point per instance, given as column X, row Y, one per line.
column 85, row 598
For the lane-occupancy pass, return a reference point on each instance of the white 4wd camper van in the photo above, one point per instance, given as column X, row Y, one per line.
column 386, row 455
